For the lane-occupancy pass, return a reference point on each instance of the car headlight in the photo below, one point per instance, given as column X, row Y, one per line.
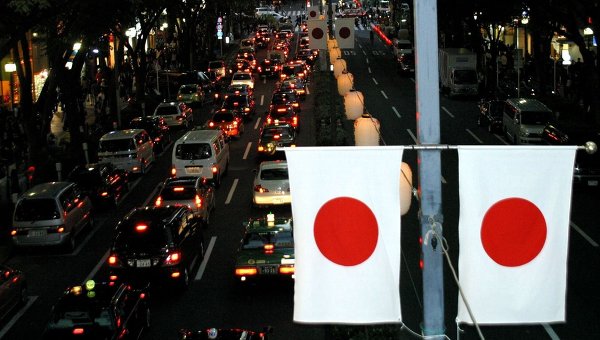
column 524, row 134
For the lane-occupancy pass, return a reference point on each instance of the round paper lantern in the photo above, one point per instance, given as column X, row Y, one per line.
column 345, row 83
column 339, row 65
column 334, row 54
column 405, row 188
column 366, row 131
column 354, row 102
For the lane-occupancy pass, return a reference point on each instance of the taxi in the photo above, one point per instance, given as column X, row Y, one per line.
column 97, row 310
column 227, row 120
column 266, row 250
column 274, row 137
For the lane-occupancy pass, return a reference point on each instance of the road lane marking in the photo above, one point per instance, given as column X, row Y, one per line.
column 257, row 123
column 448, row 112
column 375, row 81
column 204, row 262
column 413, row 80
column 97, row 267
column 264, row 80
column 501, row 139
column 583, row 234
column 247, row 150
column 412, row 135
column 474, row 136
column 262, row 99
column 550, row 332
column 17, row 316
column 384, row 95
column 307, row 91
column 396, row 112
column 231, row 191
column 367, row 60
column 369, row 69
column 151, row 196
column 443, row 180
column 365, row 53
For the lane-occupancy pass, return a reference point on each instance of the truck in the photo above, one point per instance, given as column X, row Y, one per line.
column 458, row 72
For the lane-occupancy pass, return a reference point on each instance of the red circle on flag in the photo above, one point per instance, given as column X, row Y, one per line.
column 344, row 32
column 313, row 14
column 513, row 232
column 346, row 231
column 317, row 33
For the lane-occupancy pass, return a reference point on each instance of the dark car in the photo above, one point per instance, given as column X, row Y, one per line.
column 286, row 97
column 13, row 290
column 273, row 137
column 240, row 65
column 307, row 55
column 261, row 41
column 243, row 105
column 490, row 115
column 156, row 244
column 224, row 334
column 193, row 192
column 250, row 57
column 229, row 121
column 266, row 250
column 282, row 114
column 587, row 166
column 269, row 68
column 106, row 310
column 102, row 182
column 156, row 127
column 406, row 63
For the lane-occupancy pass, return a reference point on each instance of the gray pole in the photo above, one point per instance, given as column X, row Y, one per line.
column 428, row 127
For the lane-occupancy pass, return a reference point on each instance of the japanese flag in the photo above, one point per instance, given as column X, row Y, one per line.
column 346, row 233
column 344, row 32
column 313, row 12
column 317, row 30
column 514, row 232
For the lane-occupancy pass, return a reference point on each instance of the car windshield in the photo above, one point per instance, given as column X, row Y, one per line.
column 223, row 117
column 536, row 117
column 86, row 179
column 178, row 193
column 144, row 125
column 193, row 151
column 187, row 89
column 257, row 240
column 242, row 76
column 154, row 236
column 235, row 101
column 282, row 132
column 116, row 145
column 275, row 174
column 165, row 110
column 36, row 209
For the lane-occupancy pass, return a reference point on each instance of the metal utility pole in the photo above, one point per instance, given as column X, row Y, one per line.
column 428, row 127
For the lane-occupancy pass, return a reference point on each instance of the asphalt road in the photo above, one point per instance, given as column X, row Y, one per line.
column 213, row 300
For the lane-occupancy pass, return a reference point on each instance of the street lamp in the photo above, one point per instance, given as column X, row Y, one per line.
column 11, row 68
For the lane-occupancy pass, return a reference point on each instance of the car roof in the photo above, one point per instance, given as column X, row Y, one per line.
column 527, row 104
column 181, row 181
column 261, row 224
column 120, row 134
column 276, row 164
column 46, row 190
column 152, row 215
column 200, row 135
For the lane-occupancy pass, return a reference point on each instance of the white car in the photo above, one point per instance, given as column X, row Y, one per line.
column 243, row 78
column 271, row 184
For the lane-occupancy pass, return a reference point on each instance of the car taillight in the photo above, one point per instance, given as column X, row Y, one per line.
column 235, row 123
column 269, row 248
column 173, row 171
column 246, row 271
column 113, row 261
column 214, row 169
column 287, row 269
column 276, row 137
column 78, row 331
column 198, row 201
column 295, row 121
column 158, row 201
column 246, row 109
column 172, row 259
column 281, row 109
column 179, row 117
column 261, row 148
column 211, row 124
column 259, row 188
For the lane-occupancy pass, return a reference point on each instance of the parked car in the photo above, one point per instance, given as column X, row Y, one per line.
column 175, row 114
column 103, row 183
column 156, row 244
column 51, row 214
column 193, row 192
column 99, row 310
column 490, row 115
column 271, row 184
column 156, row 127
column 13, row 290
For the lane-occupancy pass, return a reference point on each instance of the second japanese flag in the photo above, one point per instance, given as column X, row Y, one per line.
column 347, row 233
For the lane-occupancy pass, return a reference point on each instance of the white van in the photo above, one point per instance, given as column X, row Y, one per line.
column 203, row 153
column 524, row 119
column 130, row 150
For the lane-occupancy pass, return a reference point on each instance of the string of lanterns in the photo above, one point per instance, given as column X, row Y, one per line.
column 366, row 127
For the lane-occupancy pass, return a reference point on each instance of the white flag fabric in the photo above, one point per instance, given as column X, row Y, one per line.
column 344, row 32
column 317, row 30
column 313, row 12
column 514, row 232
column 347, row 233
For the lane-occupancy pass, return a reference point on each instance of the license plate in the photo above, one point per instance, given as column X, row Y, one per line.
column 36, row 233
column 142, row 263
column 268, row 270
column 592, row 183
column 193, row 169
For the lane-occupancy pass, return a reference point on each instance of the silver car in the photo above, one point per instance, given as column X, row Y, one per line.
column 193, row 192
column 51, row 214
column 175, row 114
column 271, row 184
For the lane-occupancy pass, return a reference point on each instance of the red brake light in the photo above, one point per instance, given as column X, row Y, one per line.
column 269, row 248
column 141, row 228
column 287, row 269
column 246, row 271
column 198, row 201
column 104, row 194
column 211, row 124
column 173, row 258
column 112, row 260
column 78, row 331
column 173, row 171
column 276, row 136
column 281, row 110
column 259, row 188
column 158, row 202
column 214, row 169
column 178, row 189
column 295, row 121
